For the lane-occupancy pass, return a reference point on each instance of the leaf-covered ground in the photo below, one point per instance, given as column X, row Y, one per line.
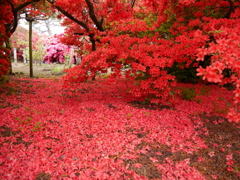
column 99, row 131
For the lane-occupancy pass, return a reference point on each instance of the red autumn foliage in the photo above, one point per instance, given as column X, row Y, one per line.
column 5, row 18
column 89, row 131
column 145, row 38
column 131, row 39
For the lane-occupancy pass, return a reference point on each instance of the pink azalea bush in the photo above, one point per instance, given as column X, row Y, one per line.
column 55, row 51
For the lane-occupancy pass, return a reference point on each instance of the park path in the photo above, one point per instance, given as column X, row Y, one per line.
column 45, row 70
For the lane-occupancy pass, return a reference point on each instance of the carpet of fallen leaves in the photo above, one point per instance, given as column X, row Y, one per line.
column 99, row 131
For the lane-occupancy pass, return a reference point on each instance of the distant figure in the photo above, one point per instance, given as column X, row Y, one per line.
column 74, row 61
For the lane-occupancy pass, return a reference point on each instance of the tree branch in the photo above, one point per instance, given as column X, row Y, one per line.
column 12, row 27
column 90, row 35
column 21, row 6
column 93, row 16
column 133, row 3
column 231, row 9
column 10, row 2
column 79, row 34
column 73, row 18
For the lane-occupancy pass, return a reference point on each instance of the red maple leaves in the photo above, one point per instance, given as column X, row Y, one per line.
column 93, row 133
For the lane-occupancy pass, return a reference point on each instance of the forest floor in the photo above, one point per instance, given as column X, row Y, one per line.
column 99, row 131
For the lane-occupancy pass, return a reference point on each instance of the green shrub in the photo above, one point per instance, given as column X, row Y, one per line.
column 4, row 79
column 188, row 94
column 205, row 91
column 186, row 75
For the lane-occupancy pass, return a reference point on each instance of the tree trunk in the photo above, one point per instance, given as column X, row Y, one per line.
column 93, row 41
column 30, row 49
column 15, row 56
column 8, row 46
column 24, row 56
column 71, row 58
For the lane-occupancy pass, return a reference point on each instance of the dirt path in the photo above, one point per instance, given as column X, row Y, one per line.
column 45, row 70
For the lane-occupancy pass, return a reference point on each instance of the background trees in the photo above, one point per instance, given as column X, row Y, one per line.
column 12, row 11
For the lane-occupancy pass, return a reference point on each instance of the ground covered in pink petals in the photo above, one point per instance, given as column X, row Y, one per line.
column 99, row 131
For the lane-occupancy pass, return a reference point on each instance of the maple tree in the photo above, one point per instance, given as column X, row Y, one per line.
column 20, row 39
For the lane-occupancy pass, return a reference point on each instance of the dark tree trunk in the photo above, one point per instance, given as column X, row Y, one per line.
column 8, row 46
column 30, row 20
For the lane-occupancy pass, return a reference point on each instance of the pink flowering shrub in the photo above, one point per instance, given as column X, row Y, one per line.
column 55, row 51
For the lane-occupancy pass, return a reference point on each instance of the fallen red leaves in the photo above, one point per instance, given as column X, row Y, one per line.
column 94, row 133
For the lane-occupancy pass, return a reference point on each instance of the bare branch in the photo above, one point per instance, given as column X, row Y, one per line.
column 10, row 2
column 69, row 16
column 79, row 34
column 133, row 3
column 73, row 18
